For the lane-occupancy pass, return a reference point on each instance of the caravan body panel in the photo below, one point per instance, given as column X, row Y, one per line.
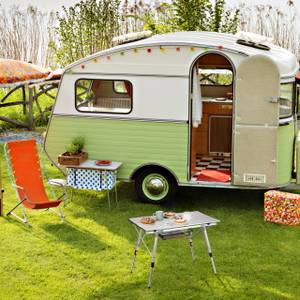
column 132, row 142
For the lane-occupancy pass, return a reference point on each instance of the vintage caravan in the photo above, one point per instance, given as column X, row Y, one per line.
column 183, row 109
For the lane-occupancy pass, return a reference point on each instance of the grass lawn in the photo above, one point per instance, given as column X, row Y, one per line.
column 89, row 255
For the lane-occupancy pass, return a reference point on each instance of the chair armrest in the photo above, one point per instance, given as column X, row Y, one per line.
column 18, row 187
column 57, row 182
column 25, row 195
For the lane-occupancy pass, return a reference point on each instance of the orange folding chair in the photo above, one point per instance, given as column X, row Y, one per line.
column 27, row 178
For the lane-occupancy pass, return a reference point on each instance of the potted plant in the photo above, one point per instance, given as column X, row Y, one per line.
column 74, row 155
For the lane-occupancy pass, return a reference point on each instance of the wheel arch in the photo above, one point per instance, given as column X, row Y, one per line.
column 146, row 166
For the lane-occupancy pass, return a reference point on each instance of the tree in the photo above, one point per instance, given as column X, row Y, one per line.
column 85, row 28
column 191, row 15
column 160, row 19
column 203, row 15
column 24, row 34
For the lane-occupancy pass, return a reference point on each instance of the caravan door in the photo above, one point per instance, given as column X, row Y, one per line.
column 256, row 122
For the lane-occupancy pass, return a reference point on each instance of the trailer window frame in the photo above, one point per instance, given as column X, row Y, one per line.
column 292, row 100
column 113, row 80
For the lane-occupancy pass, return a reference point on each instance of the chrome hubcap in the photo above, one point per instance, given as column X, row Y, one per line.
column 155, row 186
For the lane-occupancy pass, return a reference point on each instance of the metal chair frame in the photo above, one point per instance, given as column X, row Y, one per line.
column 24, row 219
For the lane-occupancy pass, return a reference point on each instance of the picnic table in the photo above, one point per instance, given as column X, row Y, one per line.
column 167, row 229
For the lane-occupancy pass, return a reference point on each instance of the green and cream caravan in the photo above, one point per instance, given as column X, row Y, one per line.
column 183, row 109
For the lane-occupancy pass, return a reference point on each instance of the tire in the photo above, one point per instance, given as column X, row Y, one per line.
column 155, row 185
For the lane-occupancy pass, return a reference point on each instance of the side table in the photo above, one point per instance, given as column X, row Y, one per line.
column 90, row 176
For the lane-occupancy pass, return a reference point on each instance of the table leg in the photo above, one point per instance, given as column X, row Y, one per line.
column 116, row 195
column 139, row 240
column 153, row 259
column 209, row 249
column 191, row 245
column 108, row 198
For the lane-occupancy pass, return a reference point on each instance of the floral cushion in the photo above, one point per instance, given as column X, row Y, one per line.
column 282, row 208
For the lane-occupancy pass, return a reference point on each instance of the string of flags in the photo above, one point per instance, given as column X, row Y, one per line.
column 150, row 51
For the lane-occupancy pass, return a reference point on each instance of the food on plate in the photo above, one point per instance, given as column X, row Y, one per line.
column 169, row 214
column 147, row 220
column 180, row 220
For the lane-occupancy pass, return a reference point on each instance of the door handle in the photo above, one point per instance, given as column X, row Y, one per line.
column 272, row 99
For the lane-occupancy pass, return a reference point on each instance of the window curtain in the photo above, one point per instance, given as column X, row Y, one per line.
column 128, row 88
column 196, row 100
column 95, row 86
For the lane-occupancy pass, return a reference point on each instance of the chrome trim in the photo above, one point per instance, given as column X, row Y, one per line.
column 155, row 186
column 116, row 117
column 286, row 121
column 228, row 185
column 127, row 74
column 287, row 79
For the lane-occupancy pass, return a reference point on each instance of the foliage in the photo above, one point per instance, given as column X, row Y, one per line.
column 160, row 19
column 205, row 15
column 89, row 26
column 85, row 28
column 76, row 146
column 90, row 95
column 42, row 120
column 191, row 15
column 89, row 255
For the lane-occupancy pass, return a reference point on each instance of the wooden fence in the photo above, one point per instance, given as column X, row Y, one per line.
column 30, row 95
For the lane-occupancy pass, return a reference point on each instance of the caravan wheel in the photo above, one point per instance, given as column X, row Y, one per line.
column 155, row 186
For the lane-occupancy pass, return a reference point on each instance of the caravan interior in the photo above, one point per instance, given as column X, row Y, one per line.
column 211, row 135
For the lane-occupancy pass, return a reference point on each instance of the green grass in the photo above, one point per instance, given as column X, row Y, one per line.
column 89, row 256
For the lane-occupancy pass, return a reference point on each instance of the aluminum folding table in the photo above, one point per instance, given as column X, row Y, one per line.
column 167, row 229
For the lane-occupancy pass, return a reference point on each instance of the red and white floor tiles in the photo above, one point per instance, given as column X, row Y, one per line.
column 213, row 169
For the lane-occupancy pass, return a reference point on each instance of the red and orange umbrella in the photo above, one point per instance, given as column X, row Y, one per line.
column 15, row 72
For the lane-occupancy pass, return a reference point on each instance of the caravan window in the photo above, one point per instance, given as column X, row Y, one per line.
column 286, row 100
column 215, row 77
column 103, row 96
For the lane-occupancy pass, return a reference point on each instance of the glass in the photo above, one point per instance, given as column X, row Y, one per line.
column 103, row 96
column 215, row 77
column 286, row 100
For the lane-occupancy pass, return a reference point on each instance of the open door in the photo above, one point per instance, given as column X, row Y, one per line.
column 256, row 122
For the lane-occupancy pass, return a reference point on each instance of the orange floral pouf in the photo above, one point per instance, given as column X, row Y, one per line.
column 282, row 208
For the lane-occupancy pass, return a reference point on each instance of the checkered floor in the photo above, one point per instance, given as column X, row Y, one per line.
column 211, row 163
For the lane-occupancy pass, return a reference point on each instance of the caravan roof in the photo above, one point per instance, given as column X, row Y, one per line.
column 284, row 59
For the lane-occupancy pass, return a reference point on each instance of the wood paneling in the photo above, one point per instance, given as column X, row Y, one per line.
column 220, row 134
column 200, row 135
column 213, row 60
